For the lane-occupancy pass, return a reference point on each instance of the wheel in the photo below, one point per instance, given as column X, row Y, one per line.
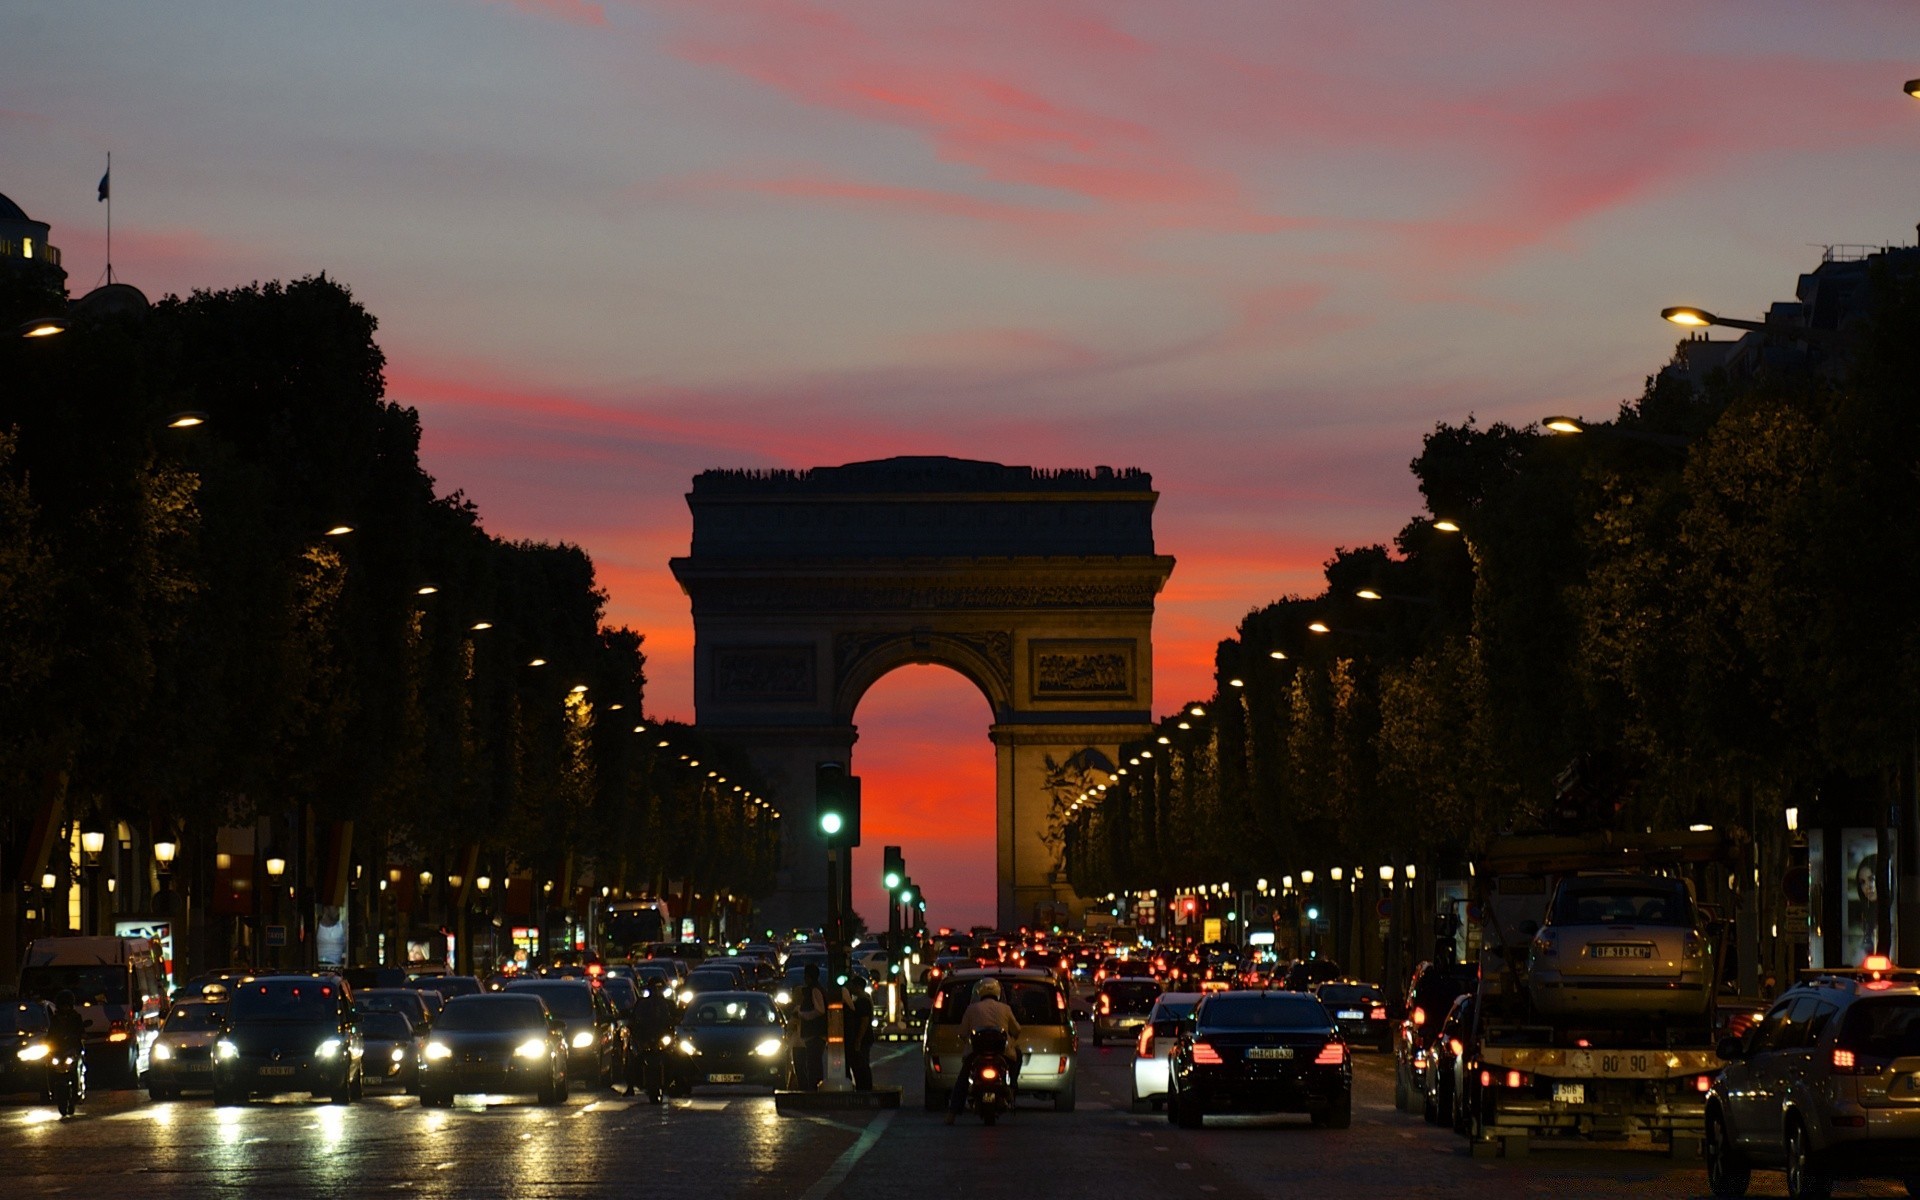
column 1063, row 1099
column 1134, row 1102
column 1727, row 1174
column 1457, row 1106
column 1173, row 1109
column 989, row 1115
column 606, row 1073
column 1341, row 1115
column 1191, row 1115
column 162, row 1093
column 1402, row 1093
column 1806, row 1176
column 342, row 1094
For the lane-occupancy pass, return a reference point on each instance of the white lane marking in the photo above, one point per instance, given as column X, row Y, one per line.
column 849, row 1158
column 1183, row 1166
column 707, row 1105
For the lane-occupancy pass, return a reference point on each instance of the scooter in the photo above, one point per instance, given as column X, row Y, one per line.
column 66, row 1081
column 989, row 1075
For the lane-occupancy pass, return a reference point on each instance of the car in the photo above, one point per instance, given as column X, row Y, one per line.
column 1260, row 1052
column 212, row 985
column 1121, row 1005
column 447, row 986
column 1823, row 1087
column 1154, row 1046
column 592, row 1041
column 708, row 978
column 1360, row 1012
column 1447, row 1082
column 1123, row 968
column 416, row 1006
column 942, row 967
column 1621, row 946
column 505, row 1042
column 1048, row 1045
column 289, row 1033
column 728, row 1038
column 1303, row 973
column 23, row 1046
column 392, row 1048
column 1430, row 993
column 182, row 1053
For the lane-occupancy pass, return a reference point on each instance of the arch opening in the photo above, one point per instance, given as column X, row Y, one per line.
column 928, row 772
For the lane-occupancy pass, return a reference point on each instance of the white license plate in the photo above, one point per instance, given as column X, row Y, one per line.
column 1613, row 950
column 1569, row 1093
column 1352, row 1014
column 725, row 1078
column 276, row 1070
column 1270, row 1052
column 192, row 1067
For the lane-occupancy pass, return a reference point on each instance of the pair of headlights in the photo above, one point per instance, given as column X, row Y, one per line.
column 532, row 1048
column 769, row 1048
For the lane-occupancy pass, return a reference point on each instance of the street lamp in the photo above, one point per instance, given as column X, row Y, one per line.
column 1912, row 88
column 40, row 327
column 163, row 853
column 186, row 420
column 1699, row 318
column 276, row 867
column 1574, row 425
column 1444, row 525
column 338, row 531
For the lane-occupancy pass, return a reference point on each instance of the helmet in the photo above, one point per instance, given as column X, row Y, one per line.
column 989, row 989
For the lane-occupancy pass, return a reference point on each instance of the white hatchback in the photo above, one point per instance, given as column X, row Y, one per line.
column 1154, row 1044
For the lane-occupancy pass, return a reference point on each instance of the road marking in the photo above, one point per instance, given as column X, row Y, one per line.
column 1183, row 1166
column 843, row 1166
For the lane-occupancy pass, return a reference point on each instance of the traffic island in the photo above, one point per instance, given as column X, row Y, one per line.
column 848, row 1100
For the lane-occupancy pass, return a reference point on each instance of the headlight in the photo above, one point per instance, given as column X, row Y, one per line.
column 437, row 1051
column 328, row 1048
column 583, row 1039
column 686, row 997
column 768, row 1048
column 399, row 1055
column 35, row 1052
column 783, row 997
column 162, row 1052
column 686, row 1046
column 225, row 1049
column 531, row 1048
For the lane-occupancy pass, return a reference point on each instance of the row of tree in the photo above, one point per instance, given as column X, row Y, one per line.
column 274, row 612
column 1702, row 612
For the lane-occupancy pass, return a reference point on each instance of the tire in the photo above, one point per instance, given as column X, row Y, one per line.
column 989, row 1115
column 1807, row 1177
column 163, row 1093
column 1728, row 1176
column 1457, row 1106
column 359, row 1085
column 1134, row 1103
column 1063, row 1100
column 1341, row 1116
column 1191, row 1115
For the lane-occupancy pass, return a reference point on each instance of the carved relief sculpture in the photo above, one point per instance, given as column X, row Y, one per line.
column 763, row 673
column 1066, row 782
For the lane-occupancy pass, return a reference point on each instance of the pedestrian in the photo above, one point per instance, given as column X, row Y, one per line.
column 860, row 1034
column 810, row 1009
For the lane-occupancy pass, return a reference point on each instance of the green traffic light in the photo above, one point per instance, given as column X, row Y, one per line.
column 893, row 880
column 906, row 895
column 830, row 823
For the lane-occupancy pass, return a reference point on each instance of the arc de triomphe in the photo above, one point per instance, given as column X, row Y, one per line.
column 808, row 586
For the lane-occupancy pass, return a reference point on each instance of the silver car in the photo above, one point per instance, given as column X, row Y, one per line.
column 182, row 1054
column 1620, row 945
column 1151, row 1047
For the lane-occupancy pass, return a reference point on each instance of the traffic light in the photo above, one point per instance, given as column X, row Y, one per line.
column 894, row 871
column 836, row 805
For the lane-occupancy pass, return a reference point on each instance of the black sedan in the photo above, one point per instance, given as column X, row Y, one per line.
column 501, row 1042
column 593, row 1040
column 392, row 1048
column 1359, row 1011
column 1260, row 1052
column 24, row 1048
column 728, row 1037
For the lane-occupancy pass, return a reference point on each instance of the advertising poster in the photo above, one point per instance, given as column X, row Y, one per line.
column 1859, row 895
column 330, row 935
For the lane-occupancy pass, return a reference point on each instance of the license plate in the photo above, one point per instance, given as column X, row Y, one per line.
column 725, row 1078
column 1569, row 1093
column 1352, row 1014
column 276, row 1070
column 1270, row 1052
column 191, row 1067
column 1614, row 950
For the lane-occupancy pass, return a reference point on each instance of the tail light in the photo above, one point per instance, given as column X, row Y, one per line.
column 1845, row 1061
column 1377, row 1013
column 1876, row 962
column 1546, row 944
column 1143, row 1048
column 989, row 1072
column 1062, row 1069
column 1419, row 1016
column 1703, row 1084
column 117, row 1032
column 1106, row 1004
column 1455, row 1045
column 1205, row 1054
column 1332, row 1054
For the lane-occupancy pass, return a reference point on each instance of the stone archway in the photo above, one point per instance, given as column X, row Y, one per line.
column 1038, row 586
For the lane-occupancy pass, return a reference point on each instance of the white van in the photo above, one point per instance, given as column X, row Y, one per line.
column 117, row 985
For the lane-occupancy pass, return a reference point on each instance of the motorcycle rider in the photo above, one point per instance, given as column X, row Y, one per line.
column 67, row 1036
column 987, row 1011
column 651, row 1019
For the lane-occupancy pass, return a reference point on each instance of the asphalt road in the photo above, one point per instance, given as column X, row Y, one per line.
column 730, row 1142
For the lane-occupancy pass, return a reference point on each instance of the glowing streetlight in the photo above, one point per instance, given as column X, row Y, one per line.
column 1277, row 655
column 276, row 867
column 1445, row 525
column 338, row 531
column 1369, row 594
column 1319, row 627
column 163, row 853
column 186, row 420
column 1564, row 425
column 480, row 626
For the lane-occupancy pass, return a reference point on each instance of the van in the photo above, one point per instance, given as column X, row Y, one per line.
column 117, row 985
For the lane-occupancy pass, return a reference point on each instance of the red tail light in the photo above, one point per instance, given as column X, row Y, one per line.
column 1331, row 1055
column 1106, row 1004
column 1205, row 1054
column 1377, row 1013
column 989, row 1073
column 1454, row 1044
column 1703, row 1084
column 1845, row 1061
column 1143, row 1048
column 1419, row 1016
column 1876, row 962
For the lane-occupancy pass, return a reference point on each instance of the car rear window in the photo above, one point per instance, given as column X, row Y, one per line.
column 1654, row 902
column 1228, row 1011
column 1883, row 1028
column 563, row 999
column 285, row 1000
column 1436, row 990
column 386, row 1025
column 1130, row 989
column 1033, row 1002
column 1349, row 993
column 492, row 1014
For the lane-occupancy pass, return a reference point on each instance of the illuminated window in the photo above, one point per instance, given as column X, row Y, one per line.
column 26, row 247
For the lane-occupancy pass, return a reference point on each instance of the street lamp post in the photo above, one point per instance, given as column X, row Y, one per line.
column 92, row 843
column 276, row 868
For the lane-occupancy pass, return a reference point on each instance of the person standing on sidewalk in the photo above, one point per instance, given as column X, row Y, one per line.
column 810, row 1052
column 859, row 1034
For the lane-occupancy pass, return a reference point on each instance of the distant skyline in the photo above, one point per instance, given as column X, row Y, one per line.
column 1255, row 247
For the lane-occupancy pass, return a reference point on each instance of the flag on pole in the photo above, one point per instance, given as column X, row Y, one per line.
column 103, row 183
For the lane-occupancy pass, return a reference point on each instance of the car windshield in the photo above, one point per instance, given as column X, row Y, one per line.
column 711, row 981
column 285, row 1000
column 563, row 999
column 89, row 985
column 1349, row 993
column 1228, row 1011
column 195, row 1018
column 1885, row 1028
column 618, row 990
column 1654, row 902
column 450, row 985
column 733, row 1010
column 492, row 1014
column 1033, row 1001
column 392, row 1000
column 386, row 1025
column 22, row 1018
column 1131, row 990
